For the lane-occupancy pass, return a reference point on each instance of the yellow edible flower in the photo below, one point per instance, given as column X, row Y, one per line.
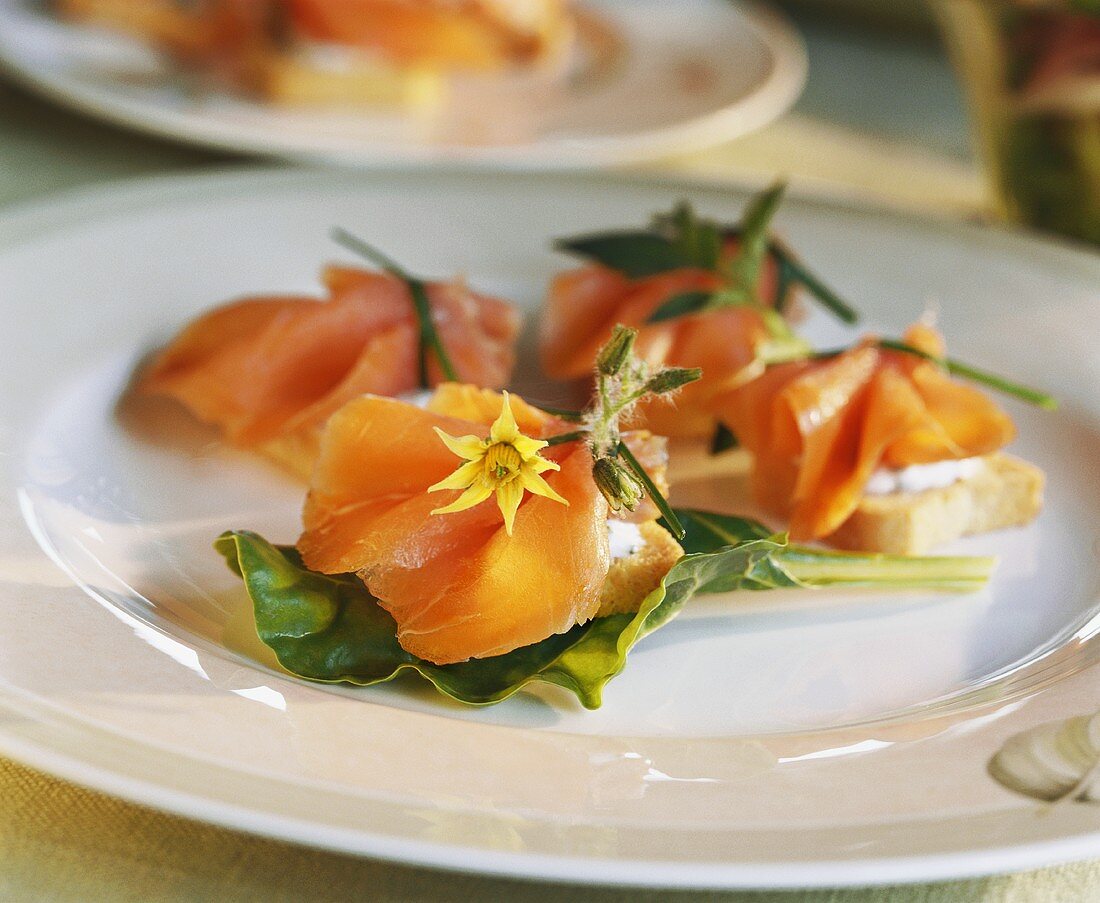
column 506, row 463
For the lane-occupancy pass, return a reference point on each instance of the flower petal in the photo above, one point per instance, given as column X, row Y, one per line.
column 528, row 447
column 536, row 485
column 541, row 465
column 475, row 495
column 509, row 495
column 472, row 448
column 504, row 428
column 464, row 477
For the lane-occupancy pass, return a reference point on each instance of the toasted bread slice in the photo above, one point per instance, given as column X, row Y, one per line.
column 634, row 577
column 352, row 79
column 1007, row 492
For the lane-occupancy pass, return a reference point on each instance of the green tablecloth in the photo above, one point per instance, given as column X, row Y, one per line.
column 60, row 842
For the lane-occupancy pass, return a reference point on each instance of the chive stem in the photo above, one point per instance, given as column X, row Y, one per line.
column 562, row 438
column 783, row 281
column 820, row 568
column 797, row 271
column 429, row 336
column 957, row 368
column 745, row 269
column 676, row 528
column 566, row 414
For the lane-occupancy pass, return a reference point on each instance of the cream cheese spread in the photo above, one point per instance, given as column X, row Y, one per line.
column 919, row 477
column 624, row 539
column 417, row 397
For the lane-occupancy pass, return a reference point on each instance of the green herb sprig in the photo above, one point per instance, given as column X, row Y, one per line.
column 622, row 380
column 682, row 239
column 418, row 290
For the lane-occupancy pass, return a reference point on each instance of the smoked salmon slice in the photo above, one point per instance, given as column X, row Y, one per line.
column 468, row 34
column 818, row 429
column 457, row 584
column 585, row 304
column 270, row 371
column 698, row 293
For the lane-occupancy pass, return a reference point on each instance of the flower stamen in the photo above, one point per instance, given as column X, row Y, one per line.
column 502, row 461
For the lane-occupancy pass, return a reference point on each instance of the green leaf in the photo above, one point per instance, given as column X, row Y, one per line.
column 745, row 549
column 723, row 440
column 684, row 239
column 741, row 552
column 700, row 240
column 681, row 305
column 745, row 268
column 705, row 531
column 330, row 629
column 784, row 284
column 635, row 254
column 676, row 240
column 807, row 566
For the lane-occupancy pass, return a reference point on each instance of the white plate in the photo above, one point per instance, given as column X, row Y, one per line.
column 777, row 738
column 675, row 77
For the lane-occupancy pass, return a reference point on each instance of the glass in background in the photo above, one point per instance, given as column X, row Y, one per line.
column 1032, row 73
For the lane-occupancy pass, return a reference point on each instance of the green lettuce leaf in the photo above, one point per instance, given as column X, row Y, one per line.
column 329, row 628
column 787, row 564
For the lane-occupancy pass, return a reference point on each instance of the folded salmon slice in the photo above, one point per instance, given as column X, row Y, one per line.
column 270, row 371
column 458, row 585
column 818, row 429
column 585, row 305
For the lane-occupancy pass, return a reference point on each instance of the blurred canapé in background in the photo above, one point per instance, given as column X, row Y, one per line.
column 341, row 52
column 1030, row 68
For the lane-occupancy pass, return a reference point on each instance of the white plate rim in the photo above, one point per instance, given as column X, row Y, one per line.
column 558, row 870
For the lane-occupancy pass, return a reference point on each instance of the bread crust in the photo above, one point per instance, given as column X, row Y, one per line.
column 629, row 580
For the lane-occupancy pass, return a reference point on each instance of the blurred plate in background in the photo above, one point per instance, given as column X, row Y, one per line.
column 647, row 79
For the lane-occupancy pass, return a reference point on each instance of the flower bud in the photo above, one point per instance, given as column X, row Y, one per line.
column 616, row 351
column 617, row 484
column 672, row 379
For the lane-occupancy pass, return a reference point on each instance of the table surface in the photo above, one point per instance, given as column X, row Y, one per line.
column 855, row 137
